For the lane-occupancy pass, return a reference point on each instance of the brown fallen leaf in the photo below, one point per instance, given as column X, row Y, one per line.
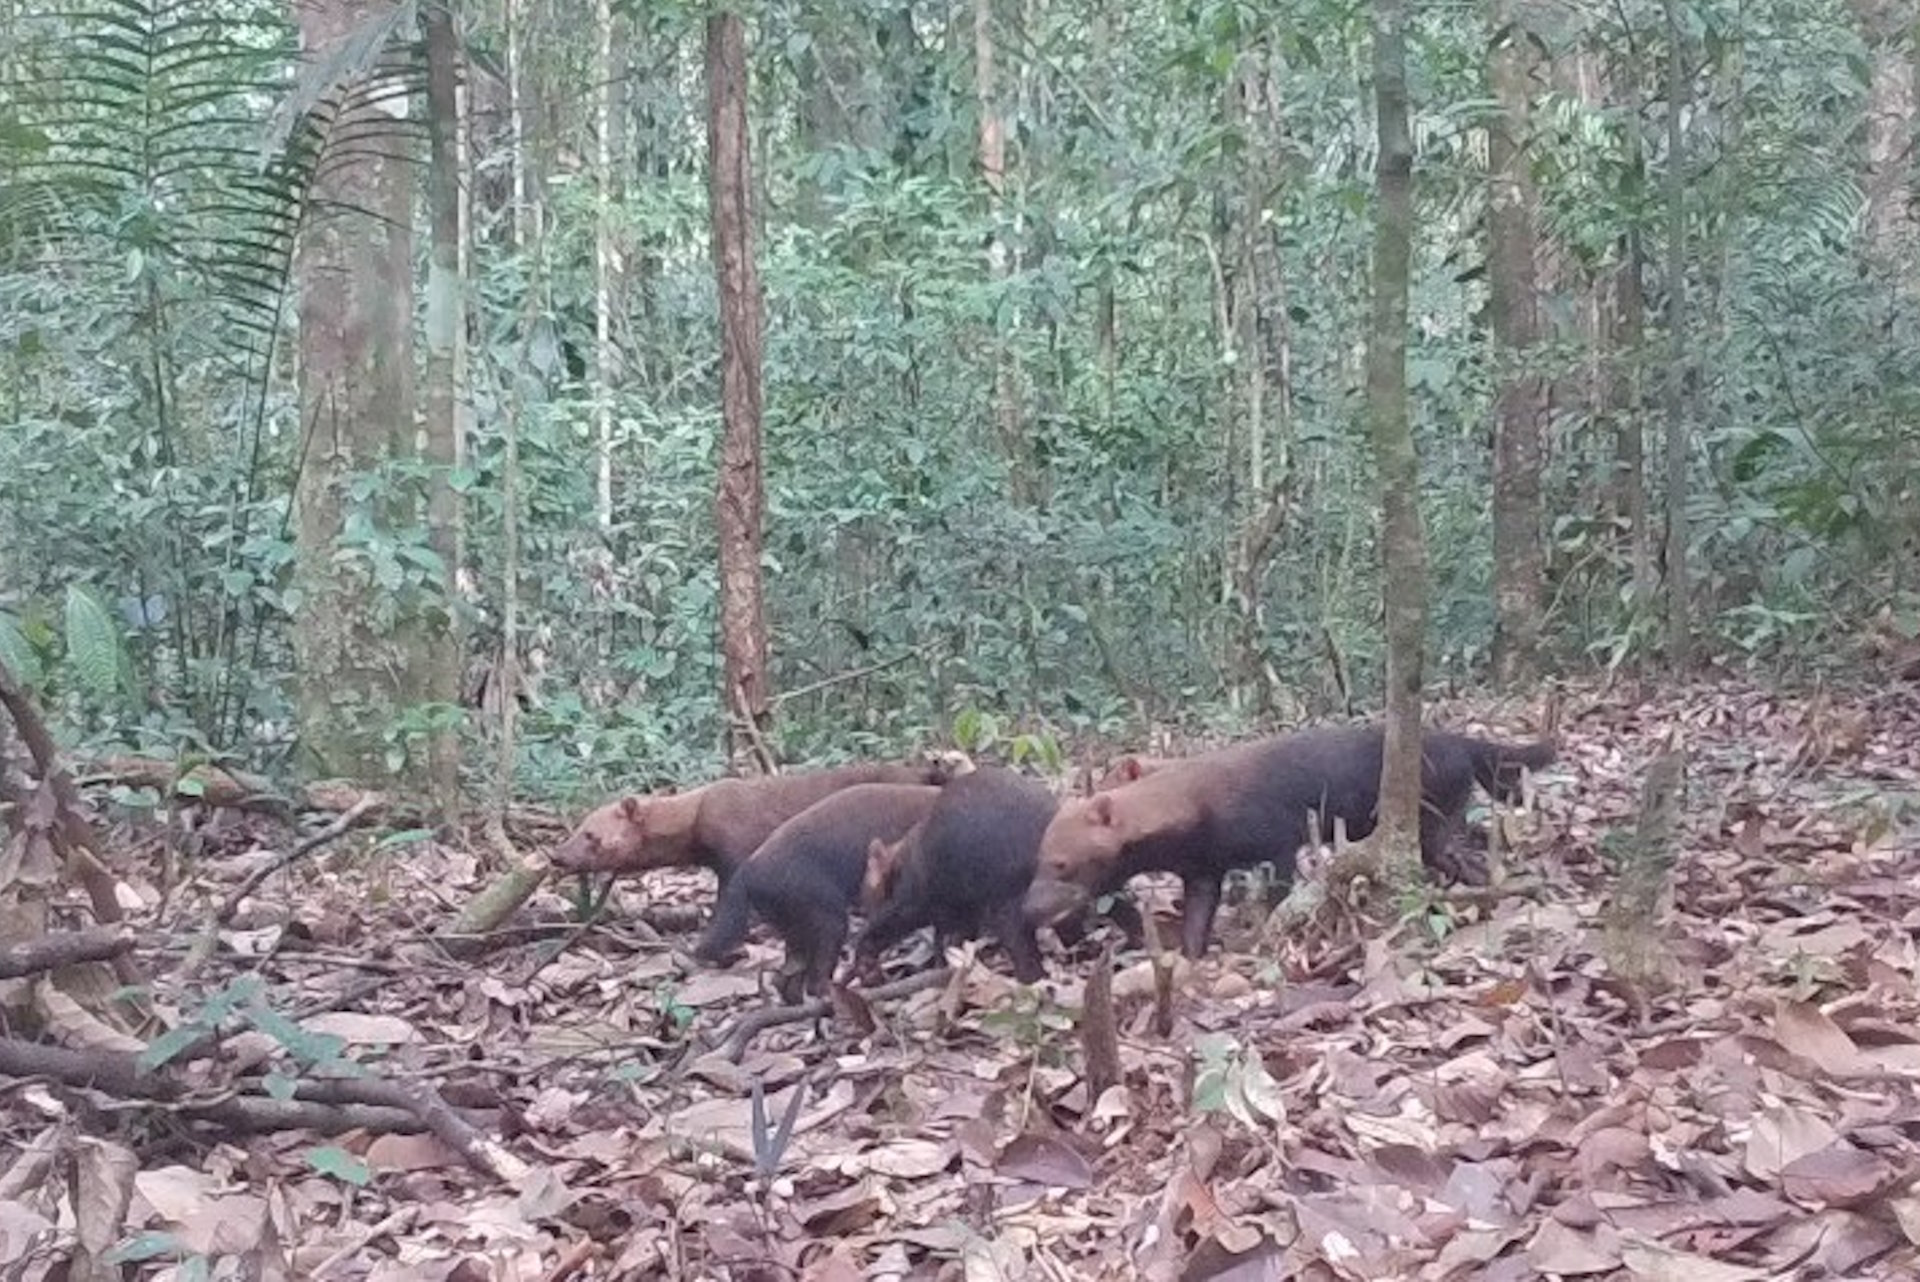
column 1806, row 1031
column 905, row 1159
column 1559, row 1249
column 409, row 1153
column 1043, row 1159
column 1782, row 1135
column 1838, row 1175
column 1658, row 1263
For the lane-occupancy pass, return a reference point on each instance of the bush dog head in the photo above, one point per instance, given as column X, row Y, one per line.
column 632, row 834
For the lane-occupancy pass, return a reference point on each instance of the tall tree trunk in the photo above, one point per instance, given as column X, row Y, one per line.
column 1008, row 414
column 1520, row 401
column 1887, row 26
column 743, row 628
column 1255, row 297
column 515, row 22
column 364, row 654
column 1628, row 356
column 1627, row 400
column 445, row 321
column 604, row 374
column 1403, row 539
column 1679, row 590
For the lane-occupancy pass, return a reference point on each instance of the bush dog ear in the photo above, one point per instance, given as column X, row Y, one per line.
column 633, row 810
column 1102, row 810
column 1130, row 769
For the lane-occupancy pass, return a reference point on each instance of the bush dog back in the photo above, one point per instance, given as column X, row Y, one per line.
column 1255, row 802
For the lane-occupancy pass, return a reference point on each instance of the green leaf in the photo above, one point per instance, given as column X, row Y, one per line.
column 163, row 1048
column 93, row 643
column 409, row 837
column 144, row 1246
column 19, row 656
column 332, row 1160
column 191, row 787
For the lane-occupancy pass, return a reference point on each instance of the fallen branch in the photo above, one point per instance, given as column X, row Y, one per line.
column 754, row 1023
column 300, row 850
column 78, row 839
column 482, row 1152
column 51, row 952
column 205, row 783
column 121, row 1077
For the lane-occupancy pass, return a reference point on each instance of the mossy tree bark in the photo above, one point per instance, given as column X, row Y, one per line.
column 1403, row 538
column 741, row 502
column 373, row 635
column 1519, row 411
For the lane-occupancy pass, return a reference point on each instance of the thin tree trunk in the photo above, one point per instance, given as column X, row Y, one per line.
column 1679, row 591
column 604, row 373
column 446, row 318
column 1627, row 394
column 516, row 114
column 1519, row 402
column 463, row 272
column 1008, row 414
column 743, row 631
column 1628, row 401
column 1403, row 541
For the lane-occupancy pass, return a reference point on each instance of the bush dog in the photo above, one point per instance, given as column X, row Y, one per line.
column 964, row 869
column 1252, row 803
column 718, row 825
column 804, row 879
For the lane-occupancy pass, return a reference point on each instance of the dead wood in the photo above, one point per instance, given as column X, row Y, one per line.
column 754, row 1023
column 78, row 841
column 329, row 1105
column 300, row 850
column 120, row 1077
column 51, row 952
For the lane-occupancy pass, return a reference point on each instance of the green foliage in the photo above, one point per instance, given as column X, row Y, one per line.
column 329, row 1159
column 1233, row 1079
column 93, row 645
column 926, row 578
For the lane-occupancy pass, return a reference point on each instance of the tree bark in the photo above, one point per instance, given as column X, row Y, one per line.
column 1679, row 590
column 445, row 322
column 1627, row 355
column 366, row 648
column 604, row 373
column 1403, row 539
column 1519, row 561
column 743, row 629
column 1008, row 413
column 1887, row 26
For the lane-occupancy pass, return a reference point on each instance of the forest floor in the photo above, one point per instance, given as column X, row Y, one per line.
column 1476, row 1091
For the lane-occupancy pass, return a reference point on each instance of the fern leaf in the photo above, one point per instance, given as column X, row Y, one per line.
column 93, row 643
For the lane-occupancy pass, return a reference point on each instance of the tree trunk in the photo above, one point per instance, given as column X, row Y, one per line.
column 1627, row 400
column 1679, row 591
column 1627, row 380
column 1887, row 27
column 1403, row 540
column 1519, row 401
column 365, row 651
column 445, row 321
column 515, row 23
column 743, row 629
column 1008, row 414
column 604, row 373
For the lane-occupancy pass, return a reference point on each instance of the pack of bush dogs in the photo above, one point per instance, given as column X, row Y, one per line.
column 990, row 852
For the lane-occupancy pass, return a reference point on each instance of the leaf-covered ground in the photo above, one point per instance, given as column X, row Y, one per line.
column 1481, row 1091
